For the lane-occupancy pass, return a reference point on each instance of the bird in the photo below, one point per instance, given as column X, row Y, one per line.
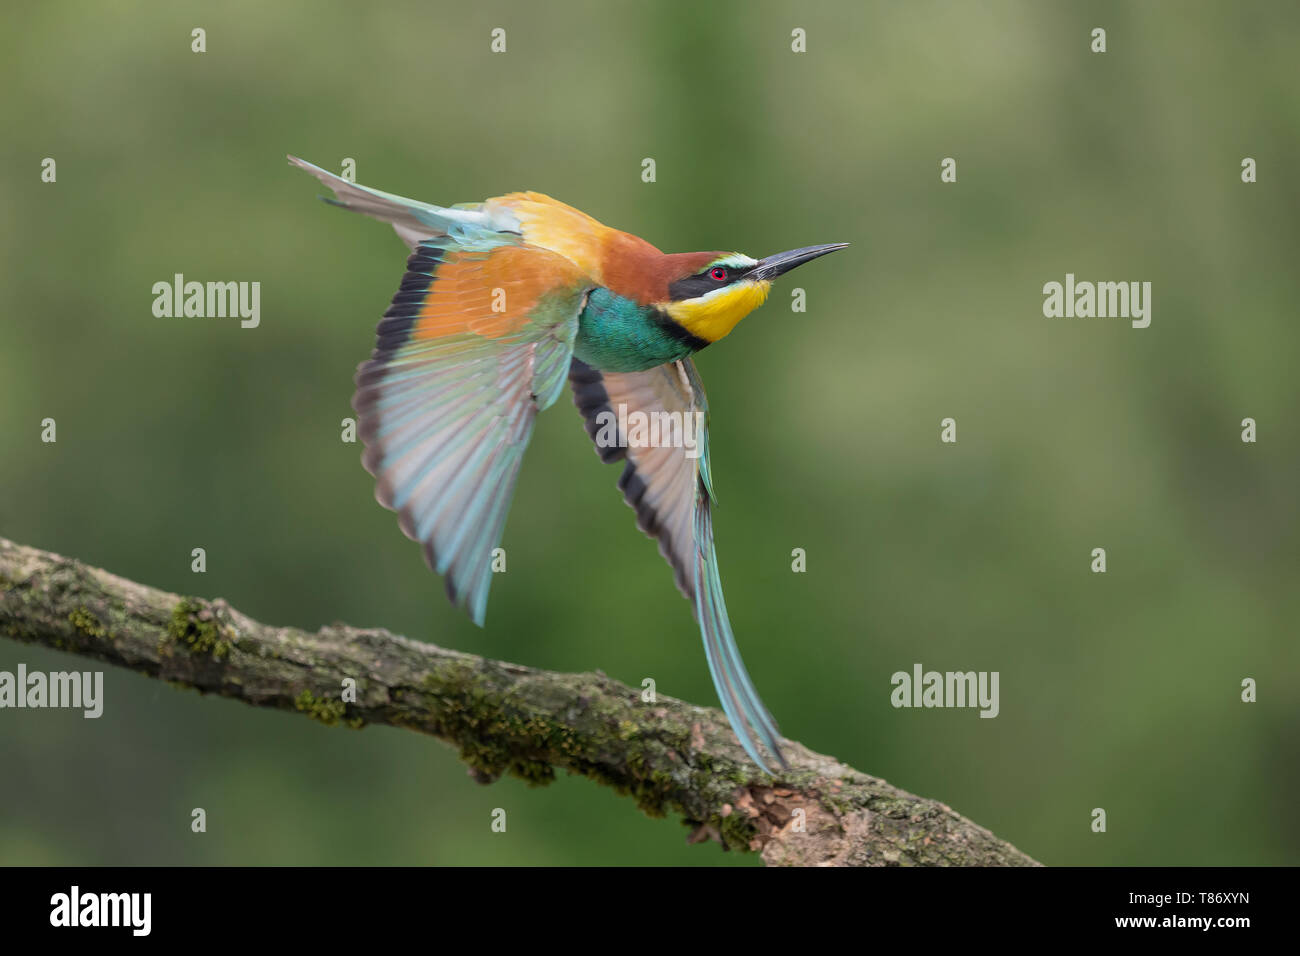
column 501, row 303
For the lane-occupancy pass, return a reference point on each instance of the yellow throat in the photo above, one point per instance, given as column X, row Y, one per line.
column 712, row 316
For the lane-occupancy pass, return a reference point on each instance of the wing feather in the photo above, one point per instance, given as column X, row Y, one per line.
column 413, row 220
column 474, row 345
column 669, row 486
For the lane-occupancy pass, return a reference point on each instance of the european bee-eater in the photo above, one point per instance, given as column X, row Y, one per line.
column 503, row 300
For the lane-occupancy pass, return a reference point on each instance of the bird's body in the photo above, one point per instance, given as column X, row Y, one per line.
column 504, row 300
column 618, row 334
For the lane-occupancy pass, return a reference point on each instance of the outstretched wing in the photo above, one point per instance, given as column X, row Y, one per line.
column 473, row 346
column 527, row 218
column 669, row 486
column 477, row 340
column 415, row 221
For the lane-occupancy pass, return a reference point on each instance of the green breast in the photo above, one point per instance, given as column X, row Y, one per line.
column 618, row 335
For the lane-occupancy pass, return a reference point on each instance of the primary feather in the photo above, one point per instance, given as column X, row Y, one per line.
column 672, row 494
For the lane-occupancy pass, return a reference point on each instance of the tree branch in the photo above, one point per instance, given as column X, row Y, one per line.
column 670, row 756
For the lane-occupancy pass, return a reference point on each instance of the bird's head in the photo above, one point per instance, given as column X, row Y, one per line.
column 709, row 292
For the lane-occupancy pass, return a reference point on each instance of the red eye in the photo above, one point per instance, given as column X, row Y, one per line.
column 718, row 273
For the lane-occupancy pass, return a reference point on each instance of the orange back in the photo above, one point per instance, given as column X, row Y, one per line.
column 618, row 260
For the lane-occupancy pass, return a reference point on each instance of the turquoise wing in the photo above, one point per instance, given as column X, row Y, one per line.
column 476, row 342
column 446, row 403
column 469, row 224
column 671, row 490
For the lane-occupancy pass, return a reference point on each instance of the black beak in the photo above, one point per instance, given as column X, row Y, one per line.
column 783, row 262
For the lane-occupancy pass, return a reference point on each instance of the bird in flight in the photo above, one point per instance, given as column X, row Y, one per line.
column 502, row 301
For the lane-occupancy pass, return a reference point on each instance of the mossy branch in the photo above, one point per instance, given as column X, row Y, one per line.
column 669, row 756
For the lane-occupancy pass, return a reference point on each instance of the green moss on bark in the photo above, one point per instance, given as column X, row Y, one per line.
column 329, row 712
column 194, row 625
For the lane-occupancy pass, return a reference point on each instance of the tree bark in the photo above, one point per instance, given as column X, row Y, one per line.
column 671, row 757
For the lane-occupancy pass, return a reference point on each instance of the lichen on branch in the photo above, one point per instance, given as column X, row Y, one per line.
column 672, row 758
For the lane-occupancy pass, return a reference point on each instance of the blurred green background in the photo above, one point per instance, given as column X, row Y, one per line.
column 1118, row 690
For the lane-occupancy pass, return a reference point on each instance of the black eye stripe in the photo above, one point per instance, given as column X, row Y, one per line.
column 692, row 287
